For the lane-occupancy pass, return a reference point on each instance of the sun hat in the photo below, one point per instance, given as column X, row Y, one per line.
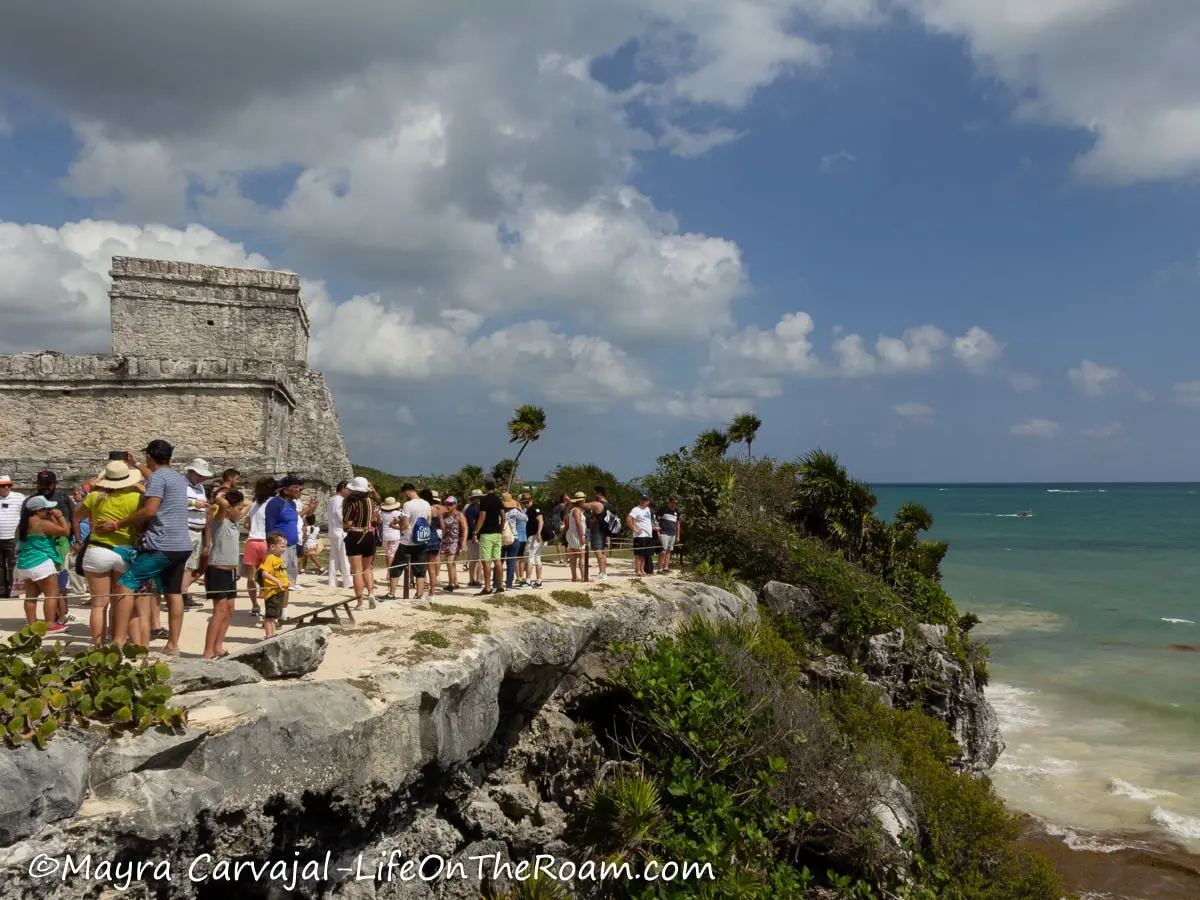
column 526, row 496
column 507, row 499
column 5, row 481
column 116, row 475
column 451, row 500
column 359, row 485
column 200, row 467
column 579, row 497
column 478, row 492
column 436, row 495
column 37, row 503
column 389, row 504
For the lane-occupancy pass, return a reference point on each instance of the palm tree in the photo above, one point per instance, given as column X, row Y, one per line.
column 914, row 517
column 832, row 505
column 743, row 430
column 525, row 427
column 712, row 443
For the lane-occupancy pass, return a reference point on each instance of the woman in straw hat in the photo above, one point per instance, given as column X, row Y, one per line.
column 576, row 534
column 115, row 496
column 389, row 518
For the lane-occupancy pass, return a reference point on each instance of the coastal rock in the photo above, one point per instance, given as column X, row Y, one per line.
column 189, row 675
column 40, row 786
column 922, row 669
column 320, row 766
column 289, row 654
column 896, row 813
column 158, row 748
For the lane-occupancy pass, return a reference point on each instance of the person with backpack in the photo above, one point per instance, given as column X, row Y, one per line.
column 605, row 525
column 415, row 530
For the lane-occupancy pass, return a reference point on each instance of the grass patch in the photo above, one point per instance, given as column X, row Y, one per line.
column 572, row 598
column 448, row 609
column 369, row 688
column 478, row 627
column 432, row 639
column 603, row 586
column 526, row 602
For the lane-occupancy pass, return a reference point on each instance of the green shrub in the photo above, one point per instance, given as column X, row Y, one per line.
column 967, row 849
column 572, row 598
column 43, row 688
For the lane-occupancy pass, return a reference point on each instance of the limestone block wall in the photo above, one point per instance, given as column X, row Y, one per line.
column 315, row 445
column 169, row 309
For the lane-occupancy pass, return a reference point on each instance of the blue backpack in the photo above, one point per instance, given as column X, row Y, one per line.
column 421, row 532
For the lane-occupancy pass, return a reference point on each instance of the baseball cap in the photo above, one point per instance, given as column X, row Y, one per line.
column 47, row 477
column 289, row 481
column 37, row 503
column 645, row 496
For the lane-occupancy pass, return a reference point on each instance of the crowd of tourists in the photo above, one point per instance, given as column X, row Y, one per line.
column 141, row 533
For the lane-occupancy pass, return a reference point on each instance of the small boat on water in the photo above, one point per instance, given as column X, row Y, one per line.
column 1025, row 514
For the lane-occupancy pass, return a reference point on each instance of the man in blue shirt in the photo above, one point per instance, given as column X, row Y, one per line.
column 166, row 542
column 282, row 516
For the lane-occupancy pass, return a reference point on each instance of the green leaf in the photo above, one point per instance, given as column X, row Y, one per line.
column 124, row 714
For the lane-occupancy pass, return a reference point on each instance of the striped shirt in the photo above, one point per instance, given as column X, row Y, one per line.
column 358, row 513
column 10, row 515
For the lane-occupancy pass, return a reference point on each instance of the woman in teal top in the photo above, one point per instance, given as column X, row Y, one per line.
column 39, row 561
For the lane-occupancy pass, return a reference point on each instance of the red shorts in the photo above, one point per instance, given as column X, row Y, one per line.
column 255, row 554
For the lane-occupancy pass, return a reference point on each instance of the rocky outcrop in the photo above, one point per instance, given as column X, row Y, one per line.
column 905, row 668
column 462, row 758
column 471, row 764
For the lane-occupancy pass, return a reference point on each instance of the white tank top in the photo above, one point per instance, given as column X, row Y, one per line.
column 258, row 522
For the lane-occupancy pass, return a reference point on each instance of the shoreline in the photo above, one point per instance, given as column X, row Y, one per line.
column 1115, row 865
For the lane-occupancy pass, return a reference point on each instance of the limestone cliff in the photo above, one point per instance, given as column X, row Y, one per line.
column 473, row 757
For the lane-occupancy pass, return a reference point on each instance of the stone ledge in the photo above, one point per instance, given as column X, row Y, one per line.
column 254, row 750
column 221, row 276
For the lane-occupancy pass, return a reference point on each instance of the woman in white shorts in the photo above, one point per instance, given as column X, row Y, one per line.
column 38, row 561
column 115, row 495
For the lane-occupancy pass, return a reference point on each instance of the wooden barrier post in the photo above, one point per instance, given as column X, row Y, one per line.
column 587, row 553
column 407, row 578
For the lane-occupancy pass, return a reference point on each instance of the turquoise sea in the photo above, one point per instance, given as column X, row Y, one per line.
column 1090, row 609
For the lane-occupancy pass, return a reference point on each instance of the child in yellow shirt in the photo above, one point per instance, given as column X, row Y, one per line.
column 274, row 579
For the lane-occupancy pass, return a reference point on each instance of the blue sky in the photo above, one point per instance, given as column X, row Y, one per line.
column 648, row 216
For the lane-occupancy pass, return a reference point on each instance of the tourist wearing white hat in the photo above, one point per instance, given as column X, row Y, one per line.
column 115, row 495
column 389, row 529
column 197, row 502
column 10, row 517
column 39, row 560
column 360, row 516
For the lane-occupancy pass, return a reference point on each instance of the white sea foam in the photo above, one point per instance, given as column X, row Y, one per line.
column 1090, row 843
column 1119, row 788
column 1177, row 824
column 1012, row 707
column 1061, row 491
column 1179, row 621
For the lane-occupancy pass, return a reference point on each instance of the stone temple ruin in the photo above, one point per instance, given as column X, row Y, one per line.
column 213, row 359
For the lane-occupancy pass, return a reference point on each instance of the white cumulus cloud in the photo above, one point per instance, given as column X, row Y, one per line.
column 1023, row 382
column 914, row 412
column 1038, row 428
column 1093, row 379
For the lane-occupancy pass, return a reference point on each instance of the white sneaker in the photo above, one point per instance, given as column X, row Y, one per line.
column 299, row 587
column 603, row 576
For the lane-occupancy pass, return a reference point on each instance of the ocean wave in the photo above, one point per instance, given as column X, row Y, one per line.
column 1062, row 491
column 1119, row 788
column 1090, row 843
column 1176, row 824
column 1178, row 621
column 1011, row 705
